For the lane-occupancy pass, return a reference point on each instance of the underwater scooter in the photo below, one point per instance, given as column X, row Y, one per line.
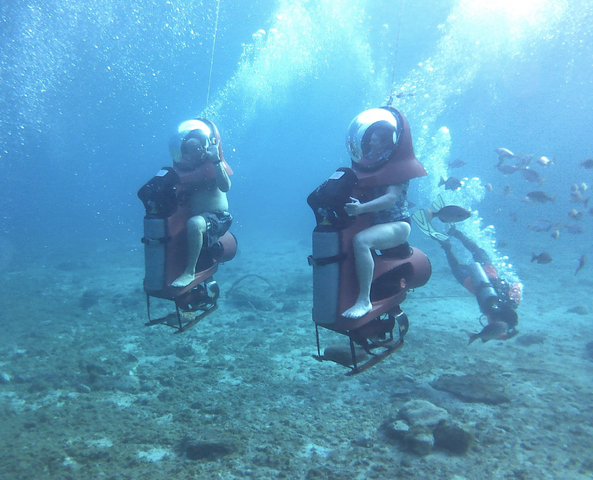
column 166, row 201
column 396, row 271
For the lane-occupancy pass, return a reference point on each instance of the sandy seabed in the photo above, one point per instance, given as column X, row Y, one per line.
column 87, row 391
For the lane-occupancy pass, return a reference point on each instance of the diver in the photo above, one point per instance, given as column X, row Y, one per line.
column 385, row 200
column 197, row 158
column 497, row 298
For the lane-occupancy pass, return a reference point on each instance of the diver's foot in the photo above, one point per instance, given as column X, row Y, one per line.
column 359, row 309
column 183, row 281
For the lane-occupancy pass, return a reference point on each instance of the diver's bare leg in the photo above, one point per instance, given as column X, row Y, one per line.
column 196, row 227
column 377, row 237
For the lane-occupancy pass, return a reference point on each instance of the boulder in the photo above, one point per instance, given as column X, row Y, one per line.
column 422, row 413
column 473, row 388
column 452, row 438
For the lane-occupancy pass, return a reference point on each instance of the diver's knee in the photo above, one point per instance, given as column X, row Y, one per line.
column 361, row 242
column 405, row 229
column 196, row 223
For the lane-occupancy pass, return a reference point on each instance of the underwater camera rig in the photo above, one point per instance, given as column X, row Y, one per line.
column 335, row 283
column 165, row 254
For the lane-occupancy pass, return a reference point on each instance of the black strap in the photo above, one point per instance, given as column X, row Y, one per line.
column 161, row 240
column 322, row 261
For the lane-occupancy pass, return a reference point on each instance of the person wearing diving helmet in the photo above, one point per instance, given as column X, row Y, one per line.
column 380, row 146
column 204, row 174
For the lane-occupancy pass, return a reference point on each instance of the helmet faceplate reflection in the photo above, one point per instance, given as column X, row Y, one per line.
column 175, row 141
column 373, row 137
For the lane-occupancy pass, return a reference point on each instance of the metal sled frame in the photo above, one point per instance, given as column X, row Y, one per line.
column 170, row 319
column 389, row 345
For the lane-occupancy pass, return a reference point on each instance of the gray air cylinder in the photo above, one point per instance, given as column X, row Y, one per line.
column 326, row 274
column 485, row 292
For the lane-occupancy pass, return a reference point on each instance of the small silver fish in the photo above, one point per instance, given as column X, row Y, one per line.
column 545, row 161
column 504, row 153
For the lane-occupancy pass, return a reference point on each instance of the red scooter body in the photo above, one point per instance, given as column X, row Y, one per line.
column 379, row 142
column 335, row 283
column 165, row 253
column 396, row 272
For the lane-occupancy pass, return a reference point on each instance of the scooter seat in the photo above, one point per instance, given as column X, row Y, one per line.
column 401, row 251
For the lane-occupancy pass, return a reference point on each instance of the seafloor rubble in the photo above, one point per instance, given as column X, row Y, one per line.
column 87, row 391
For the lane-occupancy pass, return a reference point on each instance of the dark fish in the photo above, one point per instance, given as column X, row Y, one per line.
column 402, row 94
column 452, row 183
column 575, row 229
column 542, row 258
column 457, row 163
column 540, row 226
column 506, row 191
column 588, row 164
column 508, row 169
column 450, row 214
column 540, row 197
column 555, row 234
column 492, row 331
column 523, row 160
column 582, row 262
column 576, row 197
column 575, row 215
column 531, row 175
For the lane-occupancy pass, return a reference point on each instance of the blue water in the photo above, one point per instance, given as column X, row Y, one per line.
column 91, row 90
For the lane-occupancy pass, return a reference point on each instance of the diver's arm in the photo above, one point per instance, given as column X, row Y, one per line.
column 223, row 182
column 380, row 203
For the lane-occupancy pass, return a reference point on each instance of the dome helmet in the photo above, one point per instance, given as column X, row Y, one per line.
column 188, row 145
column 379, row 142
column 504, row 312
column 373, row 137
